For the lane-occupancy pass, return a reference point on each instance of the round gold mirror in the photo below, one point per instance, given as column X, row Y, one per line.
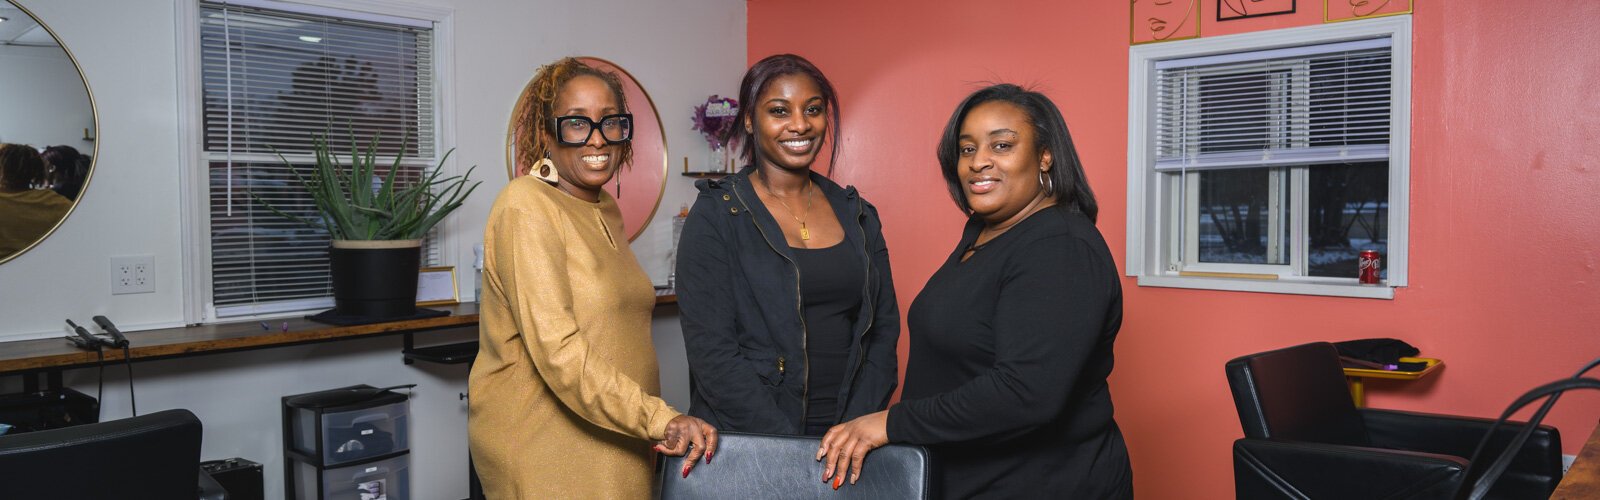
column 50, row 119
column 638, row 187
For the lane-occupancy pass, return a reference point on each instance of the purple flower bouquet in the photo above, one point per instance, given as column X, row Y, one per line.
column 715, row 121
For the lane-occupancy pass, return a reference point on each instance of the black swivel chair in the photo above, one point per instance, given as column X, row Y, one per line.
column 1305, row 438
column 154, row 456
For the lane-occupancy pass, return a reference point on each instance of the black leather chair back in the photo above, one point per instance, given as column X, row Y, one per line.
column 155, row 456
column 782, row 467
column 1296, row 394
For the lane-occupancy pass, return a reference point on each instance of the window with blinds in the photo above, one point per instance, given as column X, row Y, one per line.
column 1312, row 105
column 274, row 81
column 1268, row 161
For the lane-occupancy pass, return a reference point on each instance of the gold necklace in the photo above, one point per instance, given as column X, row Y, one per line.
column 805, row 234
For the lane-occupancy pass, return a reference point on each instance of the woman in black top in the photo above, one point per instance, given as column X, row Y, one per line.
column 788, row 310
column 1013, row 335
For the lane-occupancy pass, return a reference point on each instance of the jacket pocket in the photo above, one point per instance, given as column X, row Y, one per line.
column 770, row 368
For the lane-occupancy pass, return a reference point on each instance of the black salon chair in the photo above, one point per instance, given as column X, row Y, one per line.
column 1305, row 438
column 785, row 467
column 154, row 456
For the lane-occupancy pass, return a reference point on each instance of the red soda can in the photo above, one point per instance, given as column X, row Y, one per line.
column 1370, row 265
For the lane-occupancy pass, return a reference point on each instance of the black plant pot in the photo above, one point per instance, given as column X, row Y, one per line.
column 375, row 279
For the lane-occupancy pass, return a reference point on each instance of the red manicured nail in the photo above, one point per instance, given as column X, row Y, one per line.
column 686, row 469
column 838, row 481
column 708, row 456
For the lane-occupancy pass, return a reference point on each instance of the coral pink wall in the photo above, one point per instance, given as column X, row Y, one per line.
column 1505, row 156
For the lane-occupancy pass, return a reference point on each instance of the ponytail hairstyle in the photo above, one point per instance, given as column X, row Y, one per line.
column 759, row 77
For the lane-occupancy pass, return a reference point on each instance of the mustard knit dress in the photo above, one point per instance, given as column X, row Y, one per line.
column 564, row 390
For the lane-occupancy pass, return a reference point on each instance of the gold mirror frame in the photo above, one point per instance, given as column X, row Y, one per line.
column 522, row 97
column 94, row 153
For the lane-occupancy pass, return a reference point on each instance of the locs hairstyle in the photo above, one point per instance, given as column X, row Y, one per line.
column 539, row 113
column 756, row 80
column 1050, row 134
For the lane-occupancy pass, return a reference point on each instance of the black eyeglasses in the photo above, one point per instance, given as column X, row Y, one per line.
column 575, row 130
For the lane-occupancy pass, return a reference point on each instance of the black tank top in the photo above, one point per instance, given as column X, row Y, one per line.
column 831, row 280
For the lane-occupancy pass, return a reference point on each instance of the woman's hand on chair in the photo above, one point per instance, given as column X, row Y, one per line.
column 690, row 438
column 846, row 445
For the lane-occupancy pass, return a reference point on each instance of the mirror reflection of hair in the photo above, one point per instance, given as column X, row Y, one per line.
column 38, row 201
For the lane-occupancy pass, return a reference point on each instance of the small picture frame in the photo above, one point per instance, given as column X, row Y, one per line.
column 1229, row 10
column 437, row 286
column 1151, row 21
column 1349, row 10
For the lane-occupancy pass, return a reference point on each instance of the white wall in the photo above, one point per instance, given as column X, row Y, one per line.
column 681, row 51
column 130, row 206
column 42, row 99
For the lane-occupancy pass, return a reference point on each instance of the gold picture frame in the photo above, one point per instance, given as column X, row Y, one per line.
column 437, row 286
column 1157, row 26
column 1351, row 11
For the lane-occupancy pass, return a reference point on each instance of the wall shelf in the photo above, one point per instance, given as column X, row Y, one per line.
column 445, row 354
column 706, row 175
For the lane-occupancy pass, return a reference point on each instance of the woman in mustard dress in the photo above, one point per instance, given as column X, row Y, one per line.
column 565, row 387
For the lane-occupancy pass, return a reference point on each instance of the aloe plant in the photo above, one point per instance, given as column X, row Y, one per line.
column 351, row 209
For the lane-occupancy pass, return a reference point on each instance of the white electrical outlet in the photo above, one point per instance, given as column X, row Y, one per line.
column 132, row 274
column 1566, row 462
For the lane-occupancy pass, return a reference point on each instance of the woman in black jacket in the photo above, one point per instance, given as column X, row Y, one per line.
column 788, row 310
column 1012, row 337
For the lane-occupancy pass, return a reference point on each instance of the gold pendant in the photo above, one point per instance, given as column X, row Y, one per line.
column 805, row 234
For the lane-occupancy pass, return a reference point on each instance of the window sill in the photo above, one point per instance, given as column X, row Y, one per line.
column 1271, row 286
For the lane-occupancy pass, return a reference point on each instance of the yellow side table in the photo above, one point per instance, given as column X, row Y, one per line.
column 1356, row 376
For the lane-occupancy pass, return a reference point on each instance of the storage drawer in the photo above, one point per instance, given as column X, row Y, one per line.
column 353, row 435
column 388, row 479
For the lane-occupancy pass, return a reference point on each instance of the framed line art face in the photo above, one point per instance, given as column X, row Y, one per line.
column 637, row 187
column 1228, row 10
column 1349, row 10
column 1163, row 20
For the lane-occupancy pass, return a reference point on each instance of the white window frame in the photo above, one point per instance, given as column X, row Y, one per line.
column 194, row 180
column 1150, row 248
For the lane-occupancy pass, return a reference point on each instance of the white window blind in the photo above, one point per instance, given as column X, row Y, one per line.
column 273, row 82
column 1312, row 105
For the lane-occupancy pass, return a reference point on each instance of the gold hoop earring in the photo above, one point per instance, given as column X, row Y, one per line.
column 545, row 170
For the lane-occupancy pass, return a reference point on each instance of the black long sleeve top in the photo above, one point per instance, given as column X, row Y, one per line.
column 1010, row 350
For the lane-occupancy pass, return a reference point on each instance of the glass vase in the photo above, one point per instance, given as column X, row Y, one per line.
column 718, row 159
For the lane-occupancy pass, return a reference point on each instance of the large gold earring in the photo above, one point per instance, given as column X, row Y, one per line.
column 545, row 170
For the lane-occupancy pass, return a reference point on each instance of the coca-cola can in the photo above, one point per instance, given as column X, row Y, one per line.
column 1370, row 266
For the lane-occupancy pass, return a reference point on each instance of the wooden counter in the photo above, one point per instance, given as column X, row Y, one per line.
column 1583, row 479
column 55, row 353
